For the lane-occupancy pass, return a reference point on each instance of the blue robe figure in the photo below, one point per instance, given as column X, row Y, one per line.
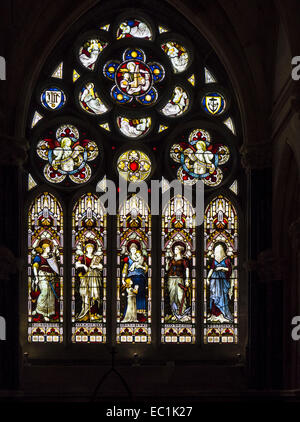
column 138, row 278
column 219, row 288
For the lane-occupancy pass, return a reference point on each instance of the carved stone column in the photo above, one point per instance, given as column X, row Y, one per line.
column 257, row 160
column 293, row 306
column 267, row 291
column 12, row 158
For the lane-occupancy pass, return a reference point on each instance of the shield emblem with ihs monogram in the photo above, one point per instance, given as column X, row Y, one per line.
column 53, row 98
column 214, row 103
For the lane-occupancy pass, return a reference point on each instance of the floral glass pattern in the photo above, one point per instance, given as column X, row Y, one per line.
column 134, row 166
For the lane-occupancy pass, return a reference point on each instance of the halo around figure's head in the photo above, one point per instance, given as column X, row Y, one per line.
column 43, row 243
column 181, row 246
column 90, row 243
column 135, row 243
column 221, row 249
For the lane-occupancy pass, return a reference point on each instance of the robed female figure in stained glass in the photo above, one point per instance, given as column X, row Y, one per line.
column 220, row 288
column 178, row 274
column 44, row 286
column 135, row 269
column 90, row 268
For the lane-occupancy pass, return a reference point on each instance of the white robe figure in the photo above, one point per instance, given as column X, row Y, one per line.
column 94, row 51
column 94, row 103
column 131, row 312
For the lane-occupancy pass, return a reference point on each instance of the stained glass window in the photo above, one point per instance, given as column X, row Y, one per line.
column 178, row 282
column 45, row 270
column 89, row 266
column 220, row 272
column 137, row 96
column 134, row 272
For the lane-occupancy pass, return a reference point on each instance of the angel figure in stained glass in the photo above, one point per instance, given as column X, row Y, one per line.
column 178, row 103
column 178, row 55
column 199, row 161
column 134, row 28
column 91, row 101
column 90, row 55
column 178, row 276
column 67, row 156
column 220, row 287
column 46, row 273
column 133, row 128
column 89, row 268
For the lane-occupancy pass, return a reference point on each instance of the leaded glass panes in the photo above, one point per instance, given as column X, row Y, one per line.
column 178, row 282
column 220, row 272
column 45, row 270
column 89, row 266
column 134, row 272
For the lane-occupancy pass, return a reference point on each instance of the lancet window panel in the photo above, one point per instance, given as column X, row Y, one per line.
column 89, row 270
column 221, row 280
column 134, row 272
column 45, row 270
column 178, row 275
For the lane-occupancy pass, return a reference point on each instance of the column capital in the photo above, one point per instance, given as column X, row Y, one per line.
column 9, row 264
column 294, row 233
column 256, row 156
column 13, row 150
column 268, row 267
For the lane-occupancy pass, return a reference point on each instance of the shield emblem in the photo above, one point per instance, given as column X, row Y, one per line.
column 214, row 103
column 53, row 98
column 53, row 264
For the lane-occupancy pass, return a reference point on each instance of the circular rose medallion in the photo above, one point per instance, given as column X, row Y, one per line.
column 133, row 77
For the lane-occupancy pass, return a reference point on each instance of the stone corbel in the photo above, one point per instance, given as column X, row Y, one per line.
column 267, row 266
column 294, row 233
column 256, row 156
column 9, row 264
column 13, row 151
